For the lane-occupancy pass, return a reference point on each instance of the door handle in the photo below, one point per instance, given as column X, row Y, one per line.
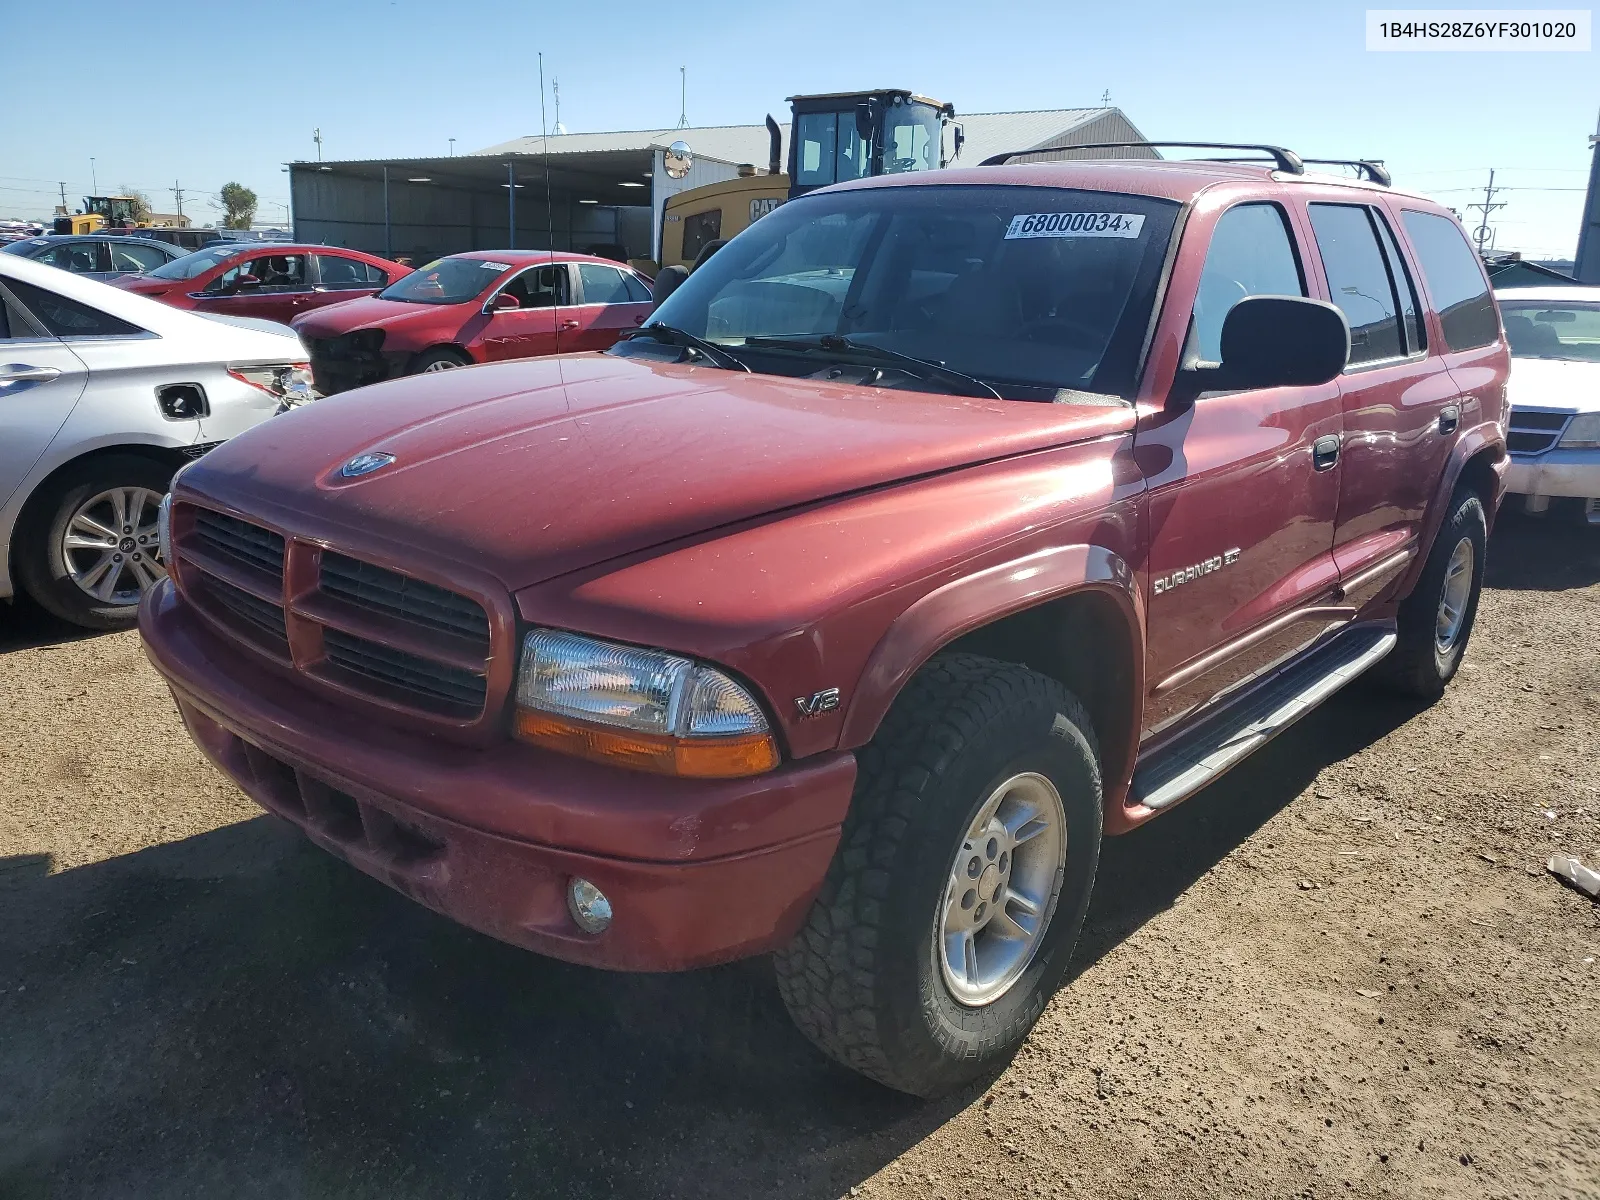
column 569, row 324
column 1325, row 452
column 1449, row 418
column 22, row 373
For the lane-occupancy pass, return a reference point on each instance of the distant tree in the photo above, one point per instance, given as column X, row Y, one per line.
column 238, row 206
column 141, row 203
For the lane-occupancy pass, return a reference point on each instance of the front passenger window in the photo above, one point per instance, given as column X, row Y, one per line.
column 1251, row 254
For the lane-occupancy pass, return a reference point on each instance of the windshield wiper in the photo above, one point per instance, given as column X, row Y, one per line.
column 696, row 346
column 918, row 368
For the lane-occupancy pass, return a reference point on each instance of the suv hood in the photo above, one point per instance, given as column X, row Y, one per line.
column 532, row 469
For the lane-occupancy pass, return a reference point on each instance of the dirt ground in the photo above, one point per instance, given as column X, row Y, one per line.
column 1340, row 971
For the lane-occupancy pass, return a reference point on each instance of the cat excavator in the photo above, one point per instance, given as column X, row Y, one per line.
column 101, row 213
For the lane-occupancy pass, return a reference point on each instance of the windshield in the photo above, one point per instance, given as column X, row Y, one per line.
column 911, row 138
column 1560, row 330
column 828, row 148
column 446, row 281
column 1028, row 289
column 194, row 264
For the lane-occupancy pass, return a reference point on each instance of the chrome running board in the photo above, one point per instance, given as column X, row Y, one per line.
column 1191, row 761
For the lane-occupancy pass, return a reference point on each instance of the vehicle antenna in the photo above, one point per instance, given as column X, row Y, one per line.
column 1105, row 98
column 549, row 203
column 1481, row 236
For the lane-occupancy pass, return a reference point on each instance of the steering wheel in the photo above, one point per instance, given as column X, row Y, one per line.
column 1081, row 332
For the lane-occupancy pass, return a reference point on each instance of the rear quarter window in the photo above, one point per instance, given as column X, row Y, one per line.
column 66, row 318
column 1455, row 280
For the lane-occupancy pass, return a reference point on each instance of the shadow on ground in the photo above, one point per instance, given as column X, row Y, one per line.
column 238, row 1013
column 1531, row 554
column 26, row 626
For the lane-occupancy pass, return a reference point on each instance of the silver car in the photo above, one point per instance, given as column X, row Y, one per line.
column 103, row 396
column 1554, row 436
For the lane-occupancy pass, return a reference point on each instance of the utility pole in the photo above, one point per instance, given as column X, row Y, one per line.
column 683, row 97
column 177, row 198
column 316, row 136
column 1586, row 265
column 63, row 187
column 1489, row 205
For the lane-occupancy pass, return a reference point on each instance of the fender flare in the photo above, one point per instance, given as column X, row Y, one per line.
column 979, row 599
column 1473, row 442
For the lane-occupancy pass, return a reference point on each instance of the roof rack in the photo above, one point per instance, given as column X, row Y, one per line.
column 1286, row 160
column 1373, row 169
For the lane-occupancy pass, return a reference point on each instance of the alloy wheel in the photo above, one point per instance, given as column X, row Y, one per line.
column 1002, row 889
column 1454, row 596
column 111, row 546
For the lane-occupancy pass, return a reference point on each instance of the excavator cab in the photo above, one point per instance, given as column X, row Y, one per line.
column 853, row 135
column 100, row 212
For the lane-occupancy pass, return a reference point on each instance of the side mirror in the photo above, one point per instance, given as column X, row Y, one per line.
column 1274, row 341
column 245, row 282
column 866, row 112
column 666, row 282
column 504, row 302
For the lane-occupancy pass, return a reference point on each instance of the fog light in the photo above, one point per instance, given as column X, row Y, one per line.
column 589, row 906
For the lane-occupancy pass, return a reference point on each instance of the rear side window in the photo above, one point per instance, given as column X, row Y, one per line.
column 1455, row 280
column 1405, row 287
column 637, row 292
column 1358, row 280
column 338, row 272
column 602, row 285
column 67, row 318
column 125, row 256
column 1251, row 254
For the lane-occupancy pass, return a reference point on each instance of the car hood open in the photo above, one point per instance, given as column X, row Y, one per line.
column 532, row 469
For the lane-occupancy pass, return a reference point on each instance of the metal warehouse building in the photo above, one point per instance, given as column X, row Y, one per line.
column 578, row 191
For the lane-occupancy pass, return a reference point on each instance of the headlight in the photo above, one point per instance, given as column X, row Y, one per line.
column 164, row 530
column 644, row 709
column 366, row 341
column 1583, row 433
column 285, row 381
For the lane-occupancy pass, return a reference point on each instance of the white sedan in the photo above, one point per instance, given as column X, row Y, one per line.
column 103, row 396
column 1554, row 436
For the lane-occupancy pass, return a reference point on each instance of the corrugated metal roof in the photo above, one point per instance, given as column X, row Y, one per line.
column 986, row 134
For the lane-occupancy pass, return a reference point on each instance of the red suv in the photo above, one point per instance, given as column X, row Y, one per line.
column 275, row 281
column 473, row 308
column 936, row 526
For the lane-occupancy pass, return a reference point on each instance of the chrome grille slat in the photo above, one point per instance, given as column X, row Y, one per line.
column 1534, row 432
column 402, row 597
column 239, row 542
column 443, row 687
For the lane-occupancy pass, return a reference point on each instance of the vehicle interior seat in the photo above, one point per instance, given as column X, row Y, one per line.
column 1529, row 337
column 338, row 270
column 83, row 258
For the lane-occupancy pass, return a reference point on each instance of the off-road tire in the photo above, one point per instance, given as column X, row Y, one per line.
column 862, row 979
column 1416, row 666
column 437, row 356
column 38, row 561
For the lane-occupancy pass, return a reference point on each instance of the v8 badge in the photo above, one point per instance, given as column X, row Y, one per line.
column 818, row 703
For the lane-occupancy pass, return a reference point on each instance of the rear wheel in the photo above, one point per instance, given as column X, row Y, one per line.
column 440, row 359
column 949, row 913
column 87, row 549
column 1436, row 620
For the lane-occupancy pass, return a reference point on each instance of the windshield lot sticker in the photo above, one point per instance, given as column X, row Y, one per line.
column 494, row 266
column 1076, row 224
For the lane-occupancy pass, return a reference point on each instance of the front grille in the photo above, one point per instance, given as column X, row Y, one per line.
column 256, row 619
column 394, row 595
column 1534, row 432
column 362, row 629
column 239, row 542
column 431, row 685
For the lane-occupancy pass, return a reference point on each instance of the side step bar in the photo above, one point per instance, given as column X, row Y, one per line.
column 1178, row 770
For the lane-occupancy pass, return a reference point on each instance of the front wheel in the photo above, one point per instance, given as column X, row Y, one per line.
column 1436, row 620
column 441, row 359
column 949, row 913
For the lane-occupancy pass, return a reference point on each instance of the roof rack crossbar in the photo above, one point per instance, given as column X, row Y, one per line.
column 1286, row 160
column 1372, row 169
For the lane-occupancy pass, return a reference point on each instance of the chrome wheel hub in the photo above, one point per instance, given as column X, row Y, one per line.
column 1002, row 889
column 1453, row 599
column 111, row 546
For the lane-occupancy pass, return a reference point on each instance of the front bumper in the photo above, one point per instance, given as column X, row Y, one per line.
column 1574, row 473
column 698, row 872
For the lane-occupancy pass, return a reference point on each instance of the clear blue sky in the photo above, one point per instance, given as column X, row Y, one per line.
column 192, row 95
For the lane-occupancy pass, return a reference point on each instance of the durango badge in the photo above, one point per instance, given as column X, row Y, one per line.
column 365, row 464
column 1189, row 574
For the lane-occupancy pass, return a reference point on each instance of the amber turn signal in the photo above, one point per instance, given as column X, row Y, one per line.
column 698, row 758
